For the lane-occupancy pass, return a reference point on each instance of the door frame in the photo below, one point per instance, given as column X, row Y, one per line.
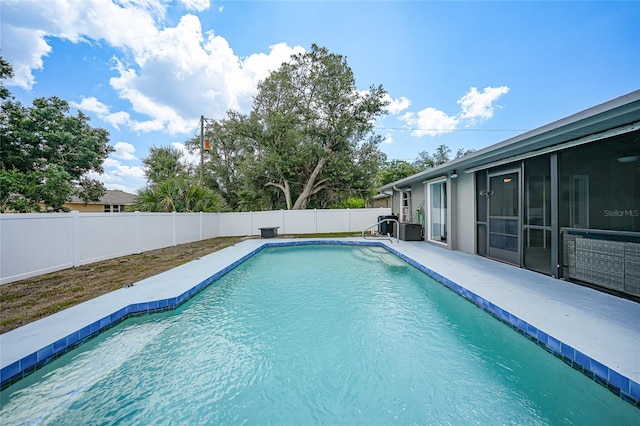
column 494, row 252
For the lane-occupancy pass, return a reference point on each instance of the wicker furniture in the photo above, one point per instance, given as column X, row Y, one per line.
column 610, row 264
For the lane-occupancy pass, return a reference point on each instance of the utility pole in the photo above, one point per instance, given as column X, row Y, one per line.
column 201, row 148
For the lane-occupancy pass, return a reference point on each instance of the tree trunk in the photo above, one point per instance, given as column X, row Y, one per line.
column 303, row 199
column 285, row 190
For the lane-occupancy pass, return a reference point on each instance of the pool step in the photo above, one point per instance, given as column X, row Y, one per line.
column 379, row 253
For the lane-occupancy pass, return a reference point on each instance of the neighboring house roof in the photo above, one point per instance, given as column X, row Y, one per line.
column 112, row 196
column 381, row 196
column 622, row 111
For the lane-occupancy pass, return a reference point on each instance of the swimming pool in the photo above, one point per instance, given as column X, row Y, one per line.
column 353, row 336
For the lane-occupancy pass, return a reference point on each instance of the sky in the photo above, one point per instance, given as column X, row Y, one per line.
column 457, row 73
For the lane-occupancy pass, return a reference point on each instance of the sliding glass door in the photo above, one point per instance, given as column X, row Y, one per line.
column 438, row 211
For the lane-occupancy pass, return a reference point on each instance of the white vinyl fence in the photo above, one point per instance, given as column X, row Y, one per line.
column 38, row 243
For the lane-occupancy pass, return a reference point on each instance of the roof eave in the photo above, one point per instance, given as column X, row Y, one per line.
column 617, row 112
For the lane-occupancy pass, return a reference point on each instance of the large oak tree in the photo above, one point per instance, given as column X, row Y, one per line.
column 46, row 153
column 311, row 129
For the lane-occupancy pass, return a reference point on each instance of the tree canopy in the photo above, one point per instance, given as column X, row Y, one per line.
column 46, row 154
column 173, row 187
column 308, row 141
column 163, row 163
column 394, row 170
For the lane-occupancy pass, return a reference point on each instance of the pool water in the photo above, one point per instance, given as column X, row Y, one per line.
column 314, row 335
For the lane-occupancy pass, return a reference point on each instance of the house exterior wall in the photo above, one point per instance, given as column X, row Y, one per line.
column 89, row 208
column 418, row 201
column 464, row 216
column 381, row 202
column 562, row 200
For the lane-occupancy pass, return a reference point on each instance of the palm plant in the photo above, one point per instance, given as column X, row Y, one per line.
column 179, row 194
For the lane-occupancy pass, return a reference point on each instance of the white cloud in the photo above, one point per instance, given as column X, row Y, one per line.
column 117, row 118
column 170, row 75
column 388, row 138
column 429, row 121
column 119, row 176
column 155, row 8
column 24, row 48
column 475, row 107
column 197, row 5
column 128, row 171
column 396, row 106
column 91, row 104
column 479, row 106
column 124, row 151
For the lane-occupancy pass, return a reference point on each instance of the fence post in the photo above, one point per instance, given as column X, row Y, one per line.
column 348, row 220
column 201, row 226
column 173, row 217
column 76, row 237
column 138, row 232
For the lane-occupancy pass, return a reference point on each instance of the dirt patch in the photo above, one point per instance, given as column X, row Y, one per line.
column 24, row 301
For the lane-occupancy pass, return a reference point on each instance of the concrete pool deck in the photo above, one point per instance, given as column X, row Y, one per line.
column 594, row 331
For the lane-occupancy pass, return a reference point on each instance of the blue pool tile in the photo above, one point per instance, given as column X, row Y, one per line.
column 94, row 327
column 582, row 360
column 635, row 389
column 45, row 353
column 504, row 315
column 104, row 322
column 554, row 344
column 543, row 337
column 513, row 320
column 619, row 381
column 568, row 352
column 599, row 369
column 532, row 331
column 60, row 345
column 84, row 332
column 495, row 310
column 521, row 324
column 478, row 300
column 29, row 361
column 73, row 338
column 163, row 303
column 10, row 371
column 465, row 293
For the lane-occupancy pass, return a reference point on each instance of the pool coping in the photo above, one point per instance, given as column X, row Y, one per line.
column 28, row 348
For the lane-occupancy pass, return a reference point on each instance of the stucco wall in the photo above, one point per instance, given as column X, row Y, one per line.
column 464, row 213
